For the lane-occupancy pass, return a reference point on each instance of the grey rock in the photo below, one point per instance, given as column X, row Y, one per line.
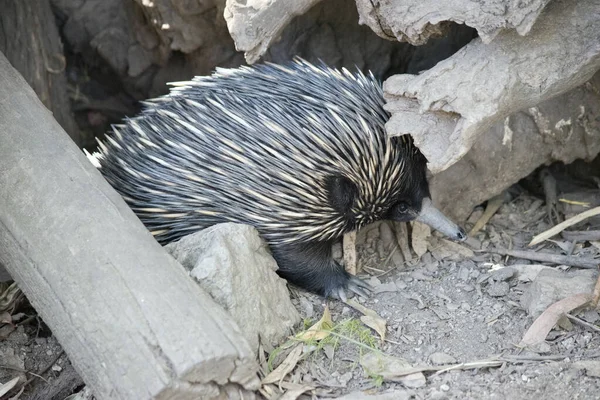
column 498, row 289
column 552, row 285
column 502, row 274
column 231, row 262
column 441, row 359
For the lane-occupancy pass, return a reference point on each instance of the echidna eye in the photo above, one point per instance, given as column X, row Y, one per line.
column 402, row 207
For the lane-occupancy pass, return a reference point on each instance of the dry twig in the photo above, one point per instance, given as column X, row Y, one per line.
column 564, row 225
column 579, row 262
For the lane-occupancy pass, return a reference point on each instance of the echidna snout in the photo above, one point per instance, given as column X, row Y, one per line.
column 298, row 151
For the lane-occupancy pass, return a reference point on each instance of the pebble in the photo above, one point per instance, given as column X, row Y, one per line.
column 374, row 281
column 463, row 273
column 502, row 274
column 420, row 276
column 437, row 395
column 591, row 316
column 465, row 306
column 468, row 288
column 440, row 358
column 386, row 287
column 400, row 284
column 498, row 289
column 307, row 307
column 444, row 387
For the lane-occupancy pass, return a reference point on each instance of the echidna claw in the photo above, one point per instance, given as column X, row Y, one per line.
column 355, row 285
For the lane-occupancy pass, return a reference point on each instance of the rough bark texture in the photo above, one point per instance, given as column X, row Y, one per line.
column 29, row 39
column 564, row 128
column 448, row 106
column 255, row 25
column 133, row 323
column 416, row 21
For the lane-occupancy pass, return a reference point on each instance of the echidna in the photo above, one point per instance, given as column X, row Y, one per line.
column 298, row 151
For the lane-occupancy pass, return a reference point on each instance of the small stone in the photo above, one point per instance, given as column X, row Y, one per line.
column 463, row 273
column 329, row 351
column 591, row 316
column 452, row 306
column 552, row 285
column 345, row 378
column 437, row 395
column 441, row 359
column 444, row 387
column 498, row 289
column 386, row 287
column 502, row 274
column 400, row 284
column 308, row 308
column 56, row 368
column 465, row 306
column 468, row 288
column 432, row 267
column 420, row 276
column 374, row 281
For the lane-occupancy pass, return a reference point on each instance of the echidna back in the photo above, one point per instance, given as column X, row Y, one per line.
column 255, row 145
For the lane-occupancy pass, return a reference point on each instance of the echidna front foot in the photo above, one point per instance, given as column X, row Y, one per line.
column 311, row 267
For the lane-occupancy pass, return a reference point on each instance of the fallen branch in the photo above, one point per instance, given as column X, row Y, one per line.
column 564, row 225
column 581, row 236
column 582, row 322
column 492, row 206
column 578, row 262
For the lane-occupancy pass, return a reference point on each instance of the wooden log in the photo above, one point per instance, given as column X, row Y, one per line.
column 134, row 325
column 29, row 39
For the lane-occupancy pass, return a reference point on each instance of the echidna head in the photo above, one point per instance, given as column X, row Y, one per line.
column 407, row 200
column 414, row 202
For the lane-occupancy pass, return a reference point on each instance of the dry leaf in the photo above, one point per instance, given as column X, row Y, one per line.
column 319, row 330
column 294, row 390
column 18, row 395
column 8, row 386
column 390, row 368
column 285, row 367
column 540, row 328
column 370, row 318
column 420, row 233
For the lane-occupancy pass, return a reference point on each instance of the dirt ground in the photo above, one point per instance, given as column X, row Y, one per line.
column 444, row 308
